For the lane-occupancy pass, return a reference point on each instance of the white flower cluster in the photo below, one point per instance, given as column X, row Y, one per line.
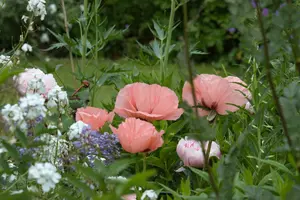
column 57, row 99
column 54, row 148
column 76, row 129
column 52, row 8
column 5, row 60
column 26, row 47
column 30, row 107
column 37, row 7
column 12, row 177
column 33, row 106
column 36, row 85
column 13, row 116
column 149, row 194
column 45, row 174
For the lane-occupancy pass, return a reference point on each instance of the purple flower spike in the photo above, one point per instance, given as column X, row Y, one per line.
column 265, row 12
column 232, row 30
column 253, row 3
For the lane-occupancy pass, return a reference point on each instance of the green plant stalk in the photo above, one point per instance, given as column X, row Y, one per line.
column 294, row 44
column 188, row 64
column 144, row 162
column 13, row 184
column 169, row 37
column 96, row 28
column 270, row 80
column 84, row 39
column 68, row 35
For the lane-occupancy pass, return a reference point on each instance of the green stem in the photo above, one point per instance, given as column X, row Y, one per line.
column 169, row 37
column 144, row 162
column 12, row 185
column 96, row 28
column 270, row 80
column 188, row 64
column 84, row 40
column 66, row 24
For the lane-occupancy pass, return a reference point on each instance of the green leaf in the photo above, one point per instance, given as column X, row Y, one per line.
column 119, row 165
column 274, row 164
column 160, row 33
column 185, row 187
column 139, row 179
column 11, row 150
column 6, row 73
column 22, row 137
column 202, row 174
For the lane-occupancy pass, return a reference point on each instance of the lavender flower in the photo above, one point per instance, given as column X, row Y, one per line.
column 232, row 30
column 253, row 3
column 265, row 12
column 93, row 145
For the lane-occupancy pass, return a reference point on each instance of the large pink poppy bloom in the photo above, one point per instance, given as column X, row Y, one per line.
column 148, row 102
column 136, row 135
column 214, row 93
column 95, row 117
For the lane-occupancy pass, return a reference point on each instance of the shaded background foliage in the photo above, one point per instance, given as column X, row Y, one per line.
column 209, row 24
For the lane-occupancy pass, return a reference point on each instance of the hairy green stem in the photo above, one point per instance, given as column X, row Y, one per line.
column 294, row 42
column 270, row 80
column 68, row 35
column 169, row 37
column 96, row 28
column 188, row 64
column 84, row 39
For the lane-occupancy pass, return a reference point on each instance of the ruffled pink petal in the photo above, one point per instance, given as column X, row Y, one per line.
column 239, row 85
column 138, row 136
column 230, row 101
column 149, row 102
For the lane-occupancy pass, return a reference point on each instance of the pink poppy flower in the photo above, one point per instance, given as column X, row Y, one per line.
column 136, row 135
column 23, row 79
column 95, row 117
column 190, row 152
column 129, row 197
column 214, row 93
column 237, row 84
column 148, row 102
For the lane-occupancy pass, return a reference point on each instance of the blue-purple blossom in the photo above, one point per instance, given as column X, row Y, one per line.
column 232, row 30
column 95, row 145
column 265, row 12
column 253, row 3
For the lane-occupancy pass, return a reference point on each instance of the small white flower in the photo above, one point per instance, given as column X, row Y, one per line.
column 36, row 85
column 33, row 106
column 14, row 117
column 16, row 192
column 249, row 107
column 54, row 149
column 44, row 38
column 150, row 194
column 32, row 189
column 47, row 59
column 37, row 7
column 25, row 18
column 76, row 130
column 2, row 4
column 5, row 60
column 52, row 8
column 121, row 179
column 26, row 47
column 81, row 7
column 45, row 174
column 57, row 99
